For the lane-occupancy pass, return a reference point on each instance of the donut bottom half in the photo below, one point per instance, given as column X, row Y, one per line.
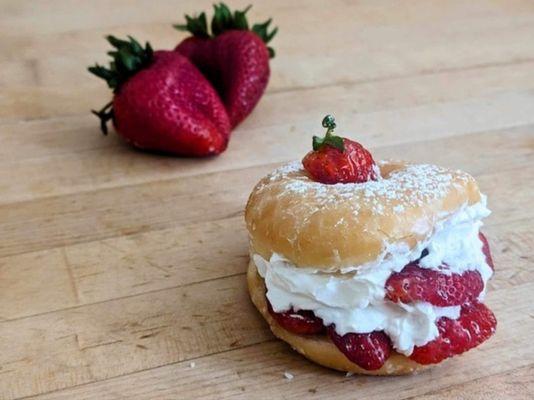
column 319, row 348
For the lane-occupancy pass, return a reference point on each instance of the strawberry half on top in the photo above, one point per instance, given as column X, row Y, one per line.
column 161, row 102
column 338, row 160
column 233, row 57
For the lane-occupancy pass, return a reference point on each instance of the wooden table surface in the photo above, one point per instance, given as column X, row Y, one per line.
column 122, row 273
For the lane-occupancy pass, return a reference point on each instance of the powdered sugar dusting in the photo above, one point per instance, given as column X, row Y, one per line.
column 414, row 185
column 288, row 375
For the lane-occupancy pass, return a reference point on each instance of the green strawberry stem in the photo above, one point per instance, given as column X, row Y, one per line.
column 329, row 139
column 105, row 115
column 127, row 58
column 329, row 122
column 224, row 20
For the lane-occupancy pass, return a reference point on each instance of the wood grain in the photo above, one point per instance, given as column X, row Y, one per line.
column 246, row 372
column 120, row 269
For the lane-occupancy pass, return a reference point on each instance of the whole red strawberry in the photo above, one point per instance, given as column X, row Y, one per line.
column 161, row 102
column 338, row 160
column 233, row 58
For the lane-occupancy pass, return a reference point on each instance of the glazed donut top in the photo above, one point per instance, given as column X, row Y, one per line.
column 334, row 226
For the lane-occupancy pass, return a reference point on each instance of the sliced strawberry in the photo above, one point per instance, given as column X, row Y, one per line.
column 301, row 322
column 368, row 350
column 475, row 325
column 338, row 160
column 414, row 283
column 486, row 250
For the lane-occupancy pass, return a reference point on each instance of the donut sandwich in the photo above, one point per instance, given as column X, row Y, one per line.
column 376, row 268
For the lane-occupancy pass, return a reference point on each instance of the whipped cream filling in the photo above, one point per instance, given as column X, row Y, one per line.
column 353, row 298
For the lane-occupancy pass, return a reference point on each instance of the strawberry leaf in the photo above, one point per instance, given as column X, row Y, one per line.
column 224, row 20
column 197, row 25
column 334, row 141
column 128, row 58
column 240, row 19
column 329, row 139
column 262, row 30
